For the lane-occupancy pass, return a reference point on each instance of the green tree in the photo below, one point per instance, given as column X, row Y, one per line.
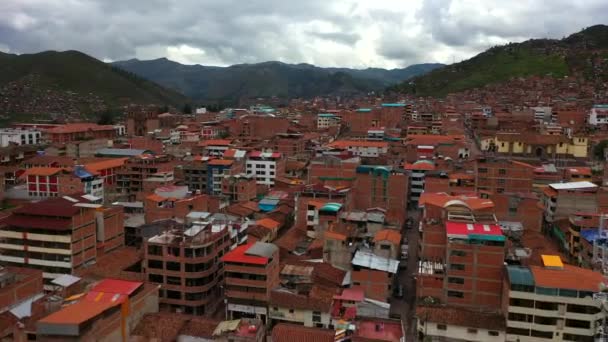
column 187, row 109
column 598, row 150
column 106, row 117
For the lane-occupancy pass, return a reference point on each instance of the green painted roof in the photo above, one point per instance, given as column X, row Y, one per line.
column 520, row 275
column 484, row 237
column 331, row 206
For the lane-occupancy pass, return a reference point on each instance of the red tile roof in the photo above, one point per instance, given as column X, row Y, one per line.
column 77, row 313
column 570, row 277
column 268, row 223
column 391, row 235
column 215, row 142
column 443, row 199
column 106, row 164
column 42, row 171
column 79, row 127
column 23, row 221
column 461, row 317
column 284, row 332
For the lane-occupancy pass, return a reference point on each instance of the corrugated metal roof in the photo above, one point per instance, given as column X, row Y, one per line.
column 370, row 260
column 520, row 275
column 573, row 185
column 24, row 309
column 65, row 280
column 262, row 249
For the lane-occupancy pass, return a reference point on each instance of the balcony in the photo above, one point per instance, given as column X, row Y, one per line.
column 246, row 295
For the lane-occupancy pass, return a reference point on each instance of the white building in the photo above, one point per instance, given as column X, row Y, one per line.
column 326, row 120
column 265, row 166
column 19, row 137
column 120, row 130
column 598, row 115
column 361, row 148
column 542, row 114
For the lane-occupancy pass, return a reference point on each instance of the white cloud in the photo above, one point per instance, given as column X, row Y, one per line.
column 351, row 33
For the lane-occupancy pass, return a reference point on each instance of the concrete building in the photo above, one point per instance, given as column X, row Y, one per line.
column 326, row 120
column 19, row 137
column 56, row 236
column 598, row 115
column 310, row 310
column 417, row 172
column 184, row 262
column 560, row 200
column 251, row 272
column 175, row 202
column 265, row 167
column 552, row 302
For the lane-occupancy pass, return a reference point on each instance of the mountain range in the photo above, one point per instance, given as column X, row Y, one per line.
column 209, row 83
column 583, row 54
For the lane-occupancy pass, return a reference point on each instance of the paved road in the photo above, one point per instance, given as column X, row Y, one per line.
column 406, row 306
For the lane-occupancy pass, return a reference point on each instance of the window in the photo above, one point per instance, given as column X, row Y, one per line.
column 173, row 266
column 482, row 170
column 502, row 172
column 457, row 267
column 155, row 250
column 290, row 311
column 442, row 327
column 155, row 264
column 453, row 280
column 493, row 333
column 472, row 331
column 458, row 253
column 155, row 278
column 456, row 294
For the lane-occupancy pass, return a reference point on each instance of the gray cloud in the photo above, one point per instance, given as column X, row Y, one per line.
column 381, row 33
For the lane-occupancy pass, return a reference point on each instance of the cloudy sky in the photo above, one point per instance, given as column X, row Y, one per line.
column 350, row 33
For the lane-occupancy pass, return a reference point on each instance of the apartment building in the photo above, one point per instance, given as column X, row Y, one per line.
column 503, row 175
column 175, row 202
column 215, row 147
column 461, row 252
column 265, row 166
column 378, row 186
column 19, row 137
column 310, row 310
column 374, row 274
column 129, row 180
column 326, row 120
column 185, row 262
column 251, row 272
column 417, row 172
column 552, row 302
column 560, row 200
column 56, row 235
column 45, row 182
column 239, row 188
column 290, row 144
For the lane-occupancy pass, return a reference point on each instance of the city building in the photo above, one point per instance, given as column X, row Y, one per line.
column 462, row 251
column 56, row 235
column 552, row 302
column 441, row 323
column 598, row 115
column 108, row 312
column 326, row 120
column 251, row 271
column 45, row 182
column 265, row 166
column 19, row 137
column 502, row 175
column 185, row 262
column 78, row 131
column 560, row 200
column 361, row 148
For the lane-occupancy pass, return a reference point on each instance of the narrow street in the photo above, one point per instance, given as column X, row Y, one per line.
column 405, row 307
